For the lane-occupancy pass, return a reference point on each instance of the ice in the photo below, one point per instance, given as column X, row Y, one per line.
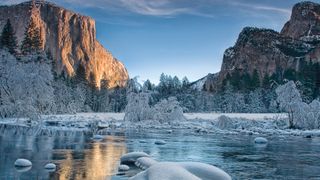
column 184, row 170
column 260, row 140
column 131, row 158
column 23, row 163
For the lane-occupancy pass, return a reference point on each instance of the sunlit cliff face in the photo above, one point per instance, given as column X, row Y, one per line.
column 99, row 162
column 70, row 39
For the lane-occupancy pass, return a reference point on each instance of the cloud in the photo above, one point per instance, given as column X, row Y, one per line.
column 9, row 2
column 154, row 8
column 258, row 7
column 170, row 8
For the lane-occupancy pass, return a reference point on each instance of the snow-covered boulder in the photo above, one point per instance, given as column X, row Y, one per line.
column 131, row 158
column 185, row 171
column 50, row 166
column 23, row 163
column 225, row 122
column 123, row 167
column 307, row 134
column 145, row 162
column 97, row 137
column 160, row 142
column 169, row 131
column 260, row 140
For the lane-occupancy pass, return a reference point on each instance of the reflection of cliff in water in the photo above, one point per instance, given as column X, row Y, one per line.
column 77, row 156
column 97, row 162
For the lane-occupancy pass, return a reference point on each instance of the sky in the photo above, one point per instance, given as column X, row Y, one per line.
column 176, row 37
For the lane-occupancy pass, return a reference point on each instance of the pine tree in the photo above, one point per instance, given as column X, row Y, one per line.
column 8, row 38
column 255, row 80
column 266, row 81
column 32, row 41
column 185, row 82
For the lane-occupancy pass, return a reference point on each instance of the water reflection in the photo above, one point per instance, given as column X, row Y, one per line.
column 77, row 156
column 98, row 162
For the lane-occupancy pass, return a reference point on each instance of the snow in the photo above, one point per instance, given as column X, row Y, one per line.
column 97, row 136
column 260, row 140
column 198, row 85
column 22, row 163
column 50, row 166
column 185, row 170
column 250, row 116
column 160, row 142
column 123, row 167
column 145, row 162
column 131, row 157
column 201, row 123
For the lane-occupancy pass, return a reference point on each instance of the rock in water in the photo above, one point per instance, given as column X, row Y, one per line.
column 185, row 171
column 131, row 158
column 23, row 163
column 145, row 162
column 260, row 140
column 123, row 167
column 50, row 166
column 160, row 142
column 307, row 134
column 142, row 141
column 97, row 136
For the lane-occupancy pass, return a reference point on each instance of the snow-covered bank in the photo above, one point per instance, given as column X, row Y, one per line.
column 198, row 123
column 251, row 116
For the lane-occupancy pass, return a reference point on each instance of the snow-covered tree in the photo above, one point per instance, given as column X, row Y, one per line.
column 147, row 86
column 25, row 87
column 301, row 115
column 289, row 99
column 138, row 108
column 168, row 110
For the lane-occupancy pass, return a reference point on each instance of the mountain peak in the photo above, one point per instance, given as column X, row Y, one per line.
column 304, row 21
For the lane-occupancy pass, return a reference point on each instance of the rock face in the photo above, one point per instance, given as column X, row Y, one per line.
column 70, row 39
column 304, row 21
column 269, row 52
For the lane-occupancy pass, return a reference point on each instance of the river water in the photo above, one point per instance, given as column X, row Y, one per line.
column 78, row 156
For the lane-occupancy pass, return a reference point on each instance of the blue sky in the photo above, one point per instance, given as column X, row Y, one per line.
column 177, row 37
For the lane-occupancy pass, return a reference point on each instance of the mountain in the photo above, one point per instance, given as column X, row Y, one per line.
column 261, row 56
column 70, row 39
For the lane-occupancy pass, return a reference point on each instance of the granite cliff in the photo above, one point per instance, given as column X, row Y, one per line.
column 70, row 39
column 271, row 54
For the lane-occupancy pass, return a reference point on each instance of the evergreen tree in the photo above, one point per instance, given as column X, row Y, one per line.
column 266, row 81
column 255, row 80
column 147, row 86
column 8, row 38
column 32, row 41
column 185, row 82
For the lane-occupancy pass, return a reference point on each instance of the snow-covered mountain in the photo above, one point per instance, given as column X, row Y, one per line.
column 70, row 38
column 294, row 53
